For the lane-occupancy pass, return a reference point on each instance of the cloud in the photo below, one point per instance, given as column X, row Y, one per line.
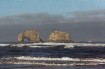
column 83, row 26
column 39, row 18
column 45, row 18
column 94, row 15
column 90, row 13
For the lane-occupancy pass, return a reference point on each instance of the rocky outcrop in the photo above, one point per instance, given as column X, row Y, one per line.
column 30, row 35
column 58, row 36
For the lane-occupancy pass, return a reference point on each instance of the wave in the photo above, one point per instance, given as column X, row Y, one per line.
column 46, row 45
column 64, row 61
column 61, row 59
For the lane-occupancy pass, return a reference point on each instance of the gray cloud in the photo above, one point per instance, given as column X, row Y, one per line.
column 39, row 18
column 94, row 15
column 82, row 26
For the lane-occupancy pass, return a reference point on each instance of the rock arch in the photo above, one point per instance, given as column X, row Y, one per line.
column 30, row 35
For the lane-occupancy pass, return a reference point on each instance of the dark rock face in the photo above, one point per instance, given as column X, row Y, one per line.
column 31, row 35
column 58, row 36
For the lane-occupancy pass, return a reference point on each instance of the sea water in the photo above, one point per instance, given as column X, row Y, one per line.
column 52, row 55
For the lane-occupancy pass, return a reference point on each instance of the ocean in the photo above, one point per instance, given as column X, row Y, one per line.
column 84, row 55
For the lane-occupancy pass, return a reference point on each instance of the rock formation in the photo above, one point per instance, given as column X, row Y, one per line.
column 30, row 35
column 58, row 36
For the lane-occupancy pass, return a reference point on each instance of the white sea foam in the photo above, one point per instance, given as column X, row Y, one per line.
column 67, row 45
column 44, row 58
column 5, row 44
column 60, row 59
column 72, row 61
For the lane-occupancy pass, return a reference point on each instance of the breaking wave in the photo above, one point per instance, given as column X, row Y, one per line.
column 64, row 61
column 53, row 54
column 67, row 45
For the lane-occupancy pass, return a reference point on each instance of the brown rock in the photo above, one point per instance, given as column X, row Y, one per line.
column 31, row 35
column 58, row 36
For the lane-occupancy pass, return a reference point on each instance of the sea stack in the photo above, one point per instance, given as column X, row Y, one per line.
column 59, row 36
column 30, row 35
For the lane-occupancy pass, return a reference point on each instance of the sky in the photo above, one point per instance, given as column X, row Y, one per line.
column 14, row 7
column 84, row 20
